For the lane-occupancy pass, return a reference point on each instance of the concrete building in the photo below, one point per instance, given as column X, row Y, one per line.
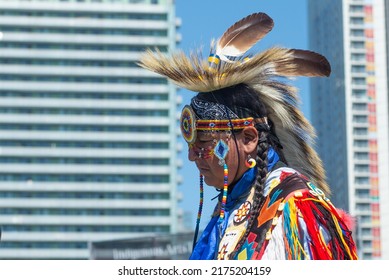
column 87, row 138
column 350, row 113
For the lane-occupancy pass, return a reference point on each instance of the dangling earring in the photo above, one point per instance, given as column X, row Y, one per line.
column 220, row 151
column 250, row 162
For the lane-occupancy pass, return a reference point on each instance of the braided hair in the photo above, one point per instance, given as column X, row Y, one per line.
column 245, row 102
column 259, row 185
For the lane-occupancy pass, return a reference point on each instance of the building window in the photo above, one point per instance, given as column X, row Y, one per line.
column 357, row 32
column 358, row 81
column 361, row 156
column 362, row 180
column 360, row 119
column 359, row 131
column 357, row 20
column 363, row 194
column 364, row 168
column 359, row 106
column 102, row 178
column 358, row 45
column 359, row 93
column 358, row 57
column 356, row 8
column 361, row 143
column 358, row 68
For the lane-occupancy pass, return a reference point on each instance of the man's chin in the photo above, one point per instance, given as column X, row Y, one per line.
column 212, row 183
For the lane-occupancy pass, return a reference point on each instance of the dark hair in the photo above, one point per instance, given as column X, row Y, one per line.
column 245, row 102
column 241, row 99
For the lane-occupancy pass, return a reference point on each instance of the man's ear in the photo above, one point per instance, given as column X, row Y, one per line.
column 250, row 139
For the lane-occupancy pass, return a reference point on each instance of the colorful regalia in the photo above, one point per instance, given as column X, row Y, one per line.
column 279, row 208
column 296, row 222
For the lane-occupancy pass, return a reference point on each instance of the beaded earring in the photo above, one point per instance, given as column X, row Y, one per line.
column 250, row 162
column 221, row 149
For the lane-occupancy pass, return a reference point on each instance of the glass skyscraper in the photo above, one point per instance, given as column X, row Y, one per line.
column 87, row 138
column 350, row 113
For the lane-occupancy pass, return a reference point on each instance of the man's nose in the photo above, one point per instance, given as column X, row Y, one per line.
column 192, row 156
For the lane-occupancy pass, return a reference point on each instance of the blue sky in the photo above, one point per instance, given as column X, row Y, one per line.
column 203, row 20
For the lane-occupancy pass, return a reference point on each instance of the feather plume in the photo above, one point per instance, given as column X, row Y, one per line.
column 242, row 35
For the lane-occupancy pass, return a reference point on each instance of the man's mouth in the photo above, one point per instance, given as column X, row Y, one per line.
column 203, row 169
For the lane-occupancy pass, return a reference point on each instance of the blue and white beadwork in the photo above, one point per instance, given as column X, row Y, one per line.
column 221, row 149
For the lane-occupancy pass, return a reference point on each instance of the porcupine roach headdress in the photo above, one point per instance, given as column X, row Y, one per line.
column 228, row 65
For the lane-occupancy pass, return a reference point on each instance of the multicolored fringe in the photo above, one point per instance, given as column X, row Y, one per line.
column 291, row 229
column 329, row 237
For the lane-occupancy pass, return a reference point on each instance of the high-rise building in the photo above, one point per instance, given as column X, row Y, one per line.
column 87, row 138
column 350, row 113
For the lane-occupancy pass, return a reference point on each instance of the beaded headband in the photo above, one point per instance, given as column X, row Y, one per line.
column 190, row 124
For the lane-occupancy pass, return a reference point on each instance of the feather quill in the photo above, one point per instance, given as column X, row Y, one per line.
column 242, row 35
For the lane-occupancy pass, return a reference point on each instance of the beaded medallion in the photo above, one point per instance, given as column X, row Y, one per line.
column 188, row 124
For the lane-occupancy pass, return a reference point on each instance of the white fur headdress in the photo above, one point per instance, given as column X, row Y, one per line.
column 228, row 66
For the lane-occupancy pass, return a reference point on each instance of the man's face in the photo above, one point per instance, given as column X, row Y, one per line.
column 202, row 153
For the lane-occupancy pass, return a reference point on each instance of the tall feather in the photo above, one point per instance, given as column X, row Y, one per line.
column 308, row 64
column 242, row 35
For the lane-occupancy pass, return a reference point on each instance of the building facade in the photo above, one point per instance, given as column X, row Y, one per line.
column 87, row 138
column 350, row 113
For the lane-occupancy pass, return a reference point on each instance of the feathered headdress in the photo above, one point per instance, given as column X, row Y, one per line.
column 227, row 65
